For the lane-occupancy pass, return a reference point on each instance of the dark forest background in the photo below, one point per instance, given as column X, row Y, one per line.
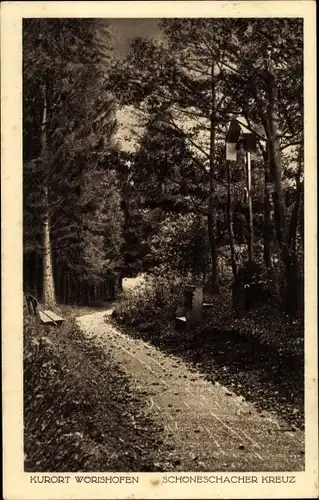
column 173, row 206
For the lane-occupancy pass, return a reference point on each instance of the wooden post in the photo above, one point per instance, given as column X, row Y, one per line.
column 231, row 223
column 250, row 210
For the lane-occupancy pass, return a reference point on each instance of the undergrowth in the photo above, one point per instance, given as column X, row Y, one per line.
column 79, row 411
column 257, row 353
column 152, row 306
column 153, row 303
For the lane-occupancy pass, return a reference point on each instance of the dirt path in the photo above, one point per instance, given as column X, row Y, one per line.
column 207, row 427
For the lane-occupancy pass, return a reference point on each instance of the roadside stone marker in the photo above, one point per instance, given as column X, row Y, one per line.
column 190, row 313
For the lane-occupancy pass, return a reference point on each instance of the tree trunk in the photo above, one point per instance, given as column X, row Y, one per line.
column 302, row 229
column 266, row 231
column 65, row 297
column 292, row 236
column 231, row 225
column 38, row 279
column 28, row 272
column 48, row 282
column 58, row 280
column 211, row 217
column 275, row 161
column 48, row 293
column 293, row 300
column 125, row 206
column 68, row 290
column 288, row 287
column 213, row 249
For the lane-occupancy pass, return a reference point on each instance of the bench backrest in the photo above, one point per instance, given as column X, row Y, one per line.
column 32, row 303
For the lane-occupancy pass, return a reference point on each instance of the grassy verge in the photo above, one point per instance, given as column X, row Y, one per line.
column 267, row 324
column 80, row 413
column 153, row 305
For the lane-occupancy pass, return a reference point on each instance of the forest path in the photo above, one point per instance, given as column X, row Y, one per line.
column 207, row 427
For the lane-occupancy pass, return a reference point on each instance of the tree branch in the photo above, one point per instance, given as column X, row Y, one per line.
column 290, row 144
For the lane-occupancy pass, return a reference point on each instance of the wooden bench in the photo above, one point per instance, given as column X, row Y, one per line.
column 47, row 316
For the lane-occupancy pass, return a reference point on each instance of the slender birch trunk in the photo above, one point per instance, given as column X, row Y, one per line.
column 211, row 217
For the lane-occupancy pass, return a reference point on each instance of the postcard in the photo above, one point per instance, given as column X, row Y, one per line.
column 159, row 250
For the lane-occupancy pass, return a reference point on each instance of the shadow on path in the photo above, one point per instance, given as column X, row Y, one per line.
column 271, row 380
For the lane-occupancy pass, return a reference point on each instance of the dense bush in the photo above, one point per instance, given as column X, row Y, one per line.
column 181, row 244
column 153, row 303
column 253, row 285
